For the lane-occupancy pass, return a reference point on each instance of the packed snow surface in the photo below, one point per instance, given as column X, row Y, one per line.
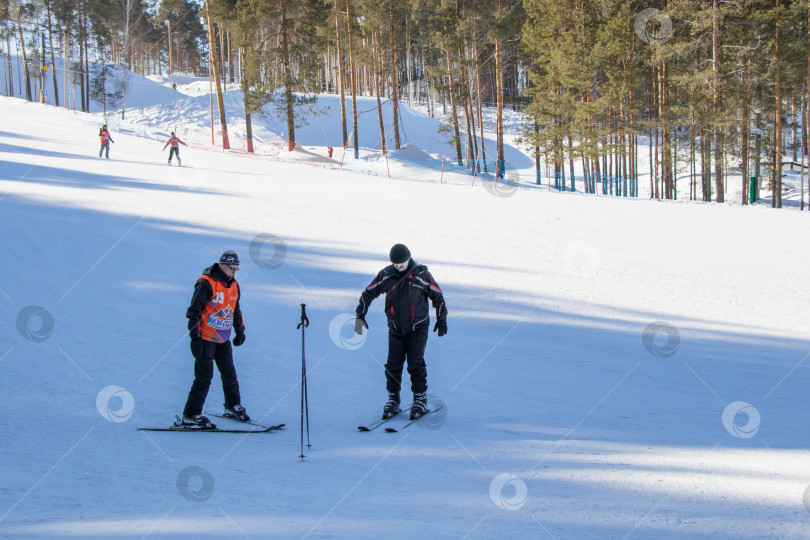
column 614, row 367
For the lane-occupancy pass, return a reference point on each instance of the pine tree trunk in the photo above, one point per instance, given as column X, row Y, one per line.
column 706, row 164
column 501, row 160
column 223, row 69
column 53, row 59
column 468, row 110
column 625, row 145
column 230, row 63
column 692, row 175
column 408, row 58
column 666, row 141
column 651, row 101
column 353, row 81
column 776, row 199
column 745, row 121
column 468, row 79
column 215, row 68
column 341, row 82
column 245, row 90
column 571, row 162
column 376, row 82
column 82, row 37
column 28, row 95
column 425, row 82
column 718, row 132
column 127, row 11
column 631, row 164
column 806, row 119
column 10, row 77
column 394, row 78
column 480, row 106
column 793, row 147
column 674, row 158
column 85, row 45
column 289, row 99
column 454, row 111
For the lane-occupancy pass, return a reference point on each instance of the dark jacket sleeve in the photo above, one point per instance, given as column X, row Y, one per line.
column 437, row 298
column 238, row 322
column 371, row 292
column 202, row 294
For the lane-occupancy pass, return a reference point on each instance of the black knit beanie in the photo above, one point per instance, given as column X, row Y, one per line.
column 399, row 254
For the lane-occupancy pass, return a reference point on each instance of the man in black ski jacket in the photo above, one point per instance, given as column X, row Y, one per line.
column 213, row 313
column 408, row 286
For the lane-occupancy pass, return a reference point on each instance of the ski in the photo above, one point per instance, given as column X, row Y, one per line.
column 374, row 425
column 250, row 422
column 179, row 427
column 213, row 430
column 394, row 430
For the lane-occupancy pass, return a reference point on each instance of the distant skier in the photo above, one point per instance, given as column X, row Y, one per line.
column 175, row 142
column 213, row 313
column 407, row 286
column 104, row 135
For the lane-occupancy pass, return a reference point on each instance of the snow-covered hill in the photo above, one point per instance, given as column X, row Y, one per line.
column 156, row 105
column 613, row 368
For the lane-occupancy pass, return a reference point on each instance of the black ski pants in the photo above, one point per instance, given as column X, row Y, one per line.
column 174, row 151
column 410, row 347
column 222, row 354
column 104, row 146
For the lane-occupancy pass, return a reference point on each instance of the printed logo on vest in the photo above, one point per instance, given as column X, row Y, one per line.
column 221, row 319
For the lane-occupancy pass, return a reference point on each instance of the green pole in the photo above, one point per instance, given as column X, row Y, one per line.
column 753, row 194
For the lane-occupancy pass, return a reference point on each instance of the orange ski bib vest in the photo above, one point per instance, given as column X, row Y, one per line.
column 216, row 319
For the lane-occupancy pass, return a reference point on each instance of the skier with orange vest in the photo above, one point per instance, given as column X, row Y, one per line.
column 214, row 312
column 106, row 139
column 175, row 142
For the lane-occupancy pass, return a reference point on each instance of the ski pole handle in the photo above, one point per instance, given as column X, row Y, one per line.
column 304, row 319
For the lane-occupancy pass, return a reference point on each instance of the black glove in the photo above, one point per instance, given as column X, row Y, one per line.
column 197, row 347
column 239, row 339
column 359, row 323
column 441, row 327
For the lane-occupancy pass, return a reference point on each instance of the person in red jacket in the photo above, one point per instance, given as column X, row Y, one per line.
column 104, row 135
column 175, row 142
column 214, row 312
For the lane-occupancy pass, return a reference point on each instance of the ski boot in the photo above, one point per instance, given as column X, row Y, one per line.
column 419, row 407
column 197, row 421
column 237, row 412
column 391, row 406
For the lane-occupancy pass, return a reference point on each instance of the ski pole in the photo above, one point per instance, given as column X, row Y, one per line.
column 304, row 404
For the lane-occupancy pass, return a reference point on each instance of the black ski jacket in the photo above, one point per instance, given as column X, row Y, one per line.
column 406, row 297
column 203, row 293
